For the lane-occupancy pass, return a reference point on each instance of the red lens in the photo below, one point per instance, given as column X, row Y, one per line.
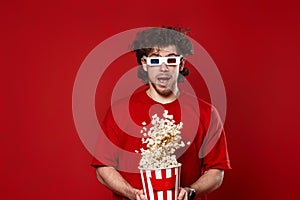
column 171, row 60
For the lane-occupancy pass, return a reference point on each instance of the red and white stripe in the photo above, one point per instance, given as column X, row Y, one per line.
column 161, row 184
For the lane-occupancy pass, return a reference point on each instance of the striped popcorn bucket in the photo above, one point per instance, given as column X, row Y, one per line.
column 161, row 184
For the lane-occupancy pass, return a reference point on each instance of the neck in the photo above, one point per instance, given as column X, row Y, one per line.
column 163, row 99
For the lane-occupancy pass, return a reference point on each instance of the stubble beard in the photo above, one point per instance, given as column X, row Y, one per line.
column 166, row 91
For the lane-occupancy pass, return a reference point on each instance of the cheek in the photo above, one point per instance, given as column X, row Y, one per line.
column 152, row 72
column 151, row 75
column 175, row 72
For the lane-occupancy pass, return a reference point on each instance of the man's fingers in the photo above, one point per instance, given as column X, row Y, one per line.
column 182, row 194
column 140, row 195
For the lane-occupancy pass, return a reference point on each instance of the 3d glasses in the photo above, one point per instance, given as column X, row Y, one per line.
column 156, row 61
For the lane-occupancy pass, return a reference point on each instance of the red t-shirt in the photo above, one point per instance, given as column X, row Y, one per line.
column 202, row 127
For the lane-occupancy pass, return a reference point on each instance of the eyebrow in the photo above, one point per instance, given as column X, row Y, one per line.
column 157, row 55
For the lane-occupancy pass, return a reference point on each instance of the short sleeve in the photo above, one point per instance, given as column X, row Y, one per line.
column 105, row 152
column 214, row 147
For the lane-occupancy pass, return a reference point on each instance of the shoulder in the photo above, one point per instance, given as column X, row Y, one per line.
column 196, row 102
column 138, row 96
column 204, row 109
column 132, row 108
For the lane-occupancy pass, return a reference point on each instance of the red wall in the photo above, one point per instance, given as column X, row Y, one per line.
column 255, row 44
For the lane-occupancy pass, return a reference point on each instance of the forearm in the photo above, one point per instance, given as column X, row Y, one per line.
column 208, row 182
column 113, row 180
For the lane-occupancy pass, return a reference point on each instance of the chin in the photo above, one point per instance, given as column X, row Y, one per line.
column 166, row 92
column 163, row 91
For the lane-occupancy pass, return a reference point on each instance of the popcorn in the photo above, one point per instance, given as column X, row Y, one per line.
column 162, row 140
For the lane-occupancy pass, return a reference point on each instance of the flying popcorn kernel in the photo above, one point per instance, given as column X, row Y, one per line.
column 162, row 140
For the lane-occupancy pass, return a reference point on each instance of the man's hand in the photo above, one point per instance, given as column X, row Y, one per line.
column 183, row 194
column 140, row 195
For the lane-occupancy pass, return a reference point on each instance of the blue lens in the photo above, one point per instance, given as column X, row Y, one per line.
column 154, row 60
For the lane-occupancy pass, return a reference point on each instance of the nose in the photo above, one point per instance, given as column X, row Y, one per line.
column 164, row 67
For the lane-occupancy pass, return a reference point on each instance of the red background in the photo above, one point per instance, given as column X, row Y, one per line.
column 255, row 44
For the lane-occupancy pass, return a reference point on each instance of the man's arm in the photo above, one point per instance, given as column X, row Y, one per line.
column 113, row 180
column 208, row 182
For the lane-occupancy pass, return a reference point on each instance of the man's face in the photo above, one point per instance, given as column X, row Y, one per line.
column 163, row 78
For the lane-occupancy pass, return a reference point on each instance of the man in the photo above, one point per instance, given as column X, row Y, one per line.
column 161, row 54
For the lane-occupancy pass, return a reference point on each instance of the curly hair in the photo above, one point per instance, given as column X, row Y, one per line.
column 146, row 40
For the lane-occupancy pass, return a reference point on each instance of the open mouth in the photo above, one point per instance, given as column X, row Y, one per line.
column 163, row 81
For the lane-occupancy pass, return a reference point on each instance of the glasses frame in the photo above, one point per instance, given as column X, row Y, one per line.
column 162, row 60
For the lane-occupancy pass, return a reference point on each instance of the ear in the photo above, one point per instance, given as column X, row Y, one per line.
column 181, row 65
column 144, row 64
